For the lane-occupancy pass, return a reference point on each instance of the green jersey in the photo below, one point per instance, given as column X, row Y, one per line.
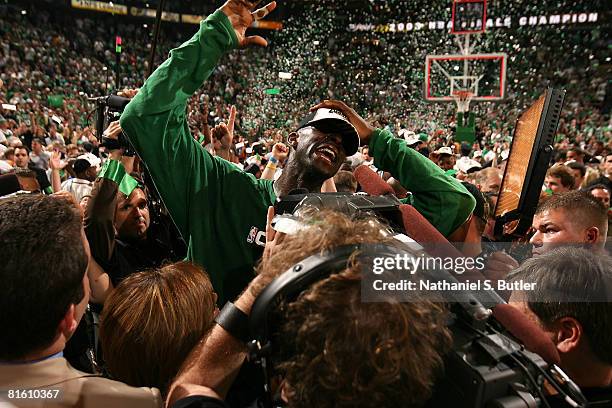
column 437, row 196
column 219, row 209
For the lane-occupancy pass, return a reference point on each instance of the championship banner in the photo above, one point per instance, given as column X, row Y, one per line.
column 100, row 6
column 261, row 24
column 151, row 13
column 191, row 18
column 491, row 23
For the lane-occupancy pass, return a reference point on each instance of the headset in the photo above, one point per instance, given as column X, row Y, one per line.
column 487, row 366
column 288, row 286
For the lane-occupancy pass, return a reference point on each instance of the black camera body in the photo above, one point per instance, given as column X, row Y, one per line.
column 486, row 367
column 109, row 109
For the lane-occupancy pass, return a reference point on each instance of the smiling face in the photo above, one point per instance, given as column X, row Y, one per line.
column 319, row 152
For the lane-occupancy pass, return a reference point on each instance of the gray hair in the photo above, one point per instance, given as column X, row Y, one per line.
column 572, row 282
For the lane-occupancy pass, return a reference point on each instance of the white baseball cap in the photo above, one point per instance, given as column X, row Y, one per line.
column 93, row 160
column 444, row 150
column 334, row 121
column 465, row 166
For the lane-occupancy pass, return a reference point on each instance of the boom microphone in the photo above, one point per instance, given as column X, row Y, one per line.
column 528, row 333
column 418, row 228
column 371, row 182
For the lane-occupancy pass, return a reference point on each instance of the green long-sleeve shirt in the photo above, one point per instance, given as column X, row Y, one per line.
column 438, row 197
column 219, row 209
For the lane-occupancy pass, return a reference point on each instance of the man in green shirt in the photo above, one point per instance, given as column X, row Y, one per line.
column 220, row 210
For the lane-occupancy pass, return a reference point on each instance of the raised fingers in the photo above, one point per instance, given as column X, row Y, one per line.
column 264, row 11
column 232, row 119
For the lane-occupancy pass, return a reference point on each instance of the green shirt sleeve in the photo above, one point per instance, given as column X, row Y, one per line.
column 155, row 120
column 441, row 199
column 219, row 209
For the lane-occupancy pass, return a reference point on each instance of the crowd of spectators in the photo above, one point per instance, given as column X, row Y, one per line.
column 99, row 296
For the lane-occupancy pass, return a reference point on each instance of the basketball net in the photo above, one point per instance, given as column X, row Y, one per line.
column 463, row 99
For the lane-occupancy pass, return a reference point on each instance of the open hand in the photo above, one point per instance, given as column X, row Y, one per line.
column 56, row 162
column 364, row 129
column 239, row 14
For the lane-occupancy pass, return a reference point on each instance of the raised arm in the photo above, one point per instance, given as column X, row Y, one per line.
column 279, row 155
column 56, row 164
column 440, row 198
column 102, row 205
column 155, row 120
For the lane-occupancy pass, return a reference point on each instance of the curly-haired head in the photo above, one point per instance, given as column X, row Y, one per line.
column 337, row 351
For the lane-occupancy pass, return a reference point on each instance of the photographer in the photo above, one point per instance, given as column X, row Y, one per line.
column 117, row 221
column 206, row 195
column 335, row 351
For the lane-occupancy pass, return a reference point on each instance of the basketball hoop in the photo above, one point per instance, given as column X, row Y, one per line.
column 463, row 99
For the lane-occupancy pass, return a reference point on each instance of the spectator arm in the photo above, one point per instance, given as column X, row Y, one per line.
column 100, row 212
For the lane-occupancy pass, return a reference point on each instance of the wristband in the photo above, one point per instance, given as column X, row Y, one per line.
column 273, row 160
column 128, row 185
column 271, row 166
column 113, row 170
column 234, row 321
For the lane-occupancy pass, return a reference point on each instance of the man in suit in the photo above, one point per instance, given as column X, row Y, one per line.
column 43, row 296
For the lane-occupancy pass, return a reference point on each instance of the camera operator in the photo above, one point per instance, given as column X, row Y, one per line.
column 117, row 221
column 348, row 353
column 577, row 316
column 207, row 196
